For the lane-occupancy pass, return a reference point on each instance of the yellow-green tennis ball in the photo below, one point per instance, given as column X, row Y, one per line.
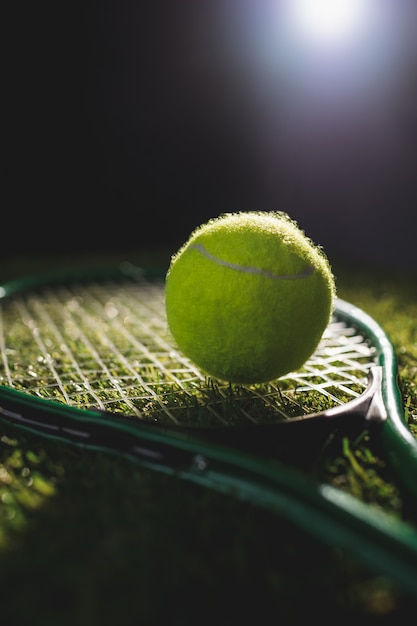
column 249, row 296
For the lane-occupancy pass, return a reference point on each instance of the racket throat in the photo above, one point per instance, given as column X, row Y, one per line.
column 369, row 408
column 376, row 412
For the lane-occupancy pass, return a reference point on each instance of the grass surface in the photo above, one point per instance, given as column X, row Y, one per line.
column 87, row 538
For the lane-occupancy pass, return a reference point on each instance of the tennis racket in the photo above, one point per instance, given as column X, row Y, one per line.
column 87, row 358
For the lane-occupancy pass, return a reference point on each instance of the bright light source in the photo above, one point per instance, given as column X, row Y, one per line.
column 327, row 20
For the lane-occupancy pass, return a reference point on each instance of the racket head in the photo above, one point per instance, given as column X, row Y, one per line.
column 353, row 337
column 351, row 378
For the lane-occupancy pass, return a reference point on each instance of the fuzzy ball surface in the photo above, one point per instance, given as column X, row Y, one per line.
column 248, row 296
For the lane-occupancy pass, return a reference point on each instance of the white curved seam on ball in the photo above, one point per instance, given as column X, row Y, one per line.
column 252, row 270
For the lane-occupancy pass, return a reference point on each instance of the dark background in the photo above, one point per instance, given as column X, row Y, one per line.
column 133, row 122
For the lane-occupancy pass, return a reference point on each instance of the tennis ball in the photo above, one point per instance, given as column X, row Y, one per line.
column 248, row 296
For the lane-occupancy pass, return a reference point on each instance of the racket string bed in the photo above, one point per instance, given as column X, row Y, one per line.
column 107, row 346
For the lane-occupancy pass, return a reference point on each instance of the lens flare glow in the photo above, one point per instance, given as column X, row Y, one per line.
column 327, row 20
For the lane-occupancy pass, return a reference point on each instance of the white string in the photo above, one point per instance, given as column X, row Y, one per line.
column 109, row 346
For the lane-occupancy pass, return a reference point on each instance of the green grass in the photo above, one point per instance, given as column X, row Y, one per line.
column 91, row 539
